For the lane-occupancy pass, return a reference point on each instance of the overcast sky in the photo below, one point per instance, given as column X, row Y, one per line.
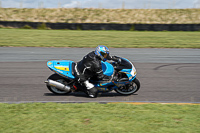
column 128, row 4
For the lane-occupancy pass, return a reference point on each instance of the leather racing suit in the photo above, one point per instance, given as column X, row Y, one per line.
column 90, row 66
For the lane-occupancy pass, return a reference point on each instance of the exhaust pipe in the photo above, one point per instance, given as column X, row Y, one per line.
column 58, row 85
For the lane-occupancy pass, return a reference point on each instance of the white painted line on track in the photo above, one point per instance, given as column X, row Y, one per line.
column 109, row 102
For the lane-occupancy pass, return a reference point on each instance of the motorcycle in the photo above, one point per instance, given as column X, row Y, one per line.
column 121, row 77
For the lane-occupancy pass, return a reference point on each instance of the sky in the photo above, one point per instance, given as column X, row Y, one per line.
column 109, row 4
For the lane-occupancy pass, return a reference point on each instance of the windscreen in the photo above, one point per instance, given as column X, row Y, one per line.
column 125, row 64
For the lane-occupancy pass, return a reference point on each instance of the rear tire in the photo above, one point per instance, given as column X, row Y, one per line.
column 129, row 89
column 59, row 79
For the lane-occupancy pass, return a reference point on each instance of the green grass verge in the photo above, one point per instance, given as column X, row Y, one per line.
column 98, row 118
column 118, row 39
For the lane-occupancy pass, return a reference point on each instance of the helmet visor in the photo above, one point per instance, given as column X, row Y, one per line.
column 104, row 54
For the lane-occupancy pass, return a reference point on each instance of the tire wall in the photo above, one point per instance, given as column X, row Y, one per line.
column 104, row 26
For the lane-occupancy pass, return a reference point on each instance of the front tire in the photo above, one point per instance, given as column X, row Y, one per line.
column 59, row 79
column 129, row 89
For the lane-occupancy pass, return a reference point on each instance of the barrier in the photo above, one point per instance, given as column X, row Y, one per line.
column 105, row 26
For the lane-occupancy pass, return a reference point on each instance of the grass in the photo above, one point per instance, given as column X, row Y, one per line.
column 99, row 118
column 89, row 15
column 118, row 39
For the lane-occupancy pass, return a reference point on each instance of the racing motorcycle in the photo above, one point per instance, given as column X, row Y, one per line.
column 121, row 77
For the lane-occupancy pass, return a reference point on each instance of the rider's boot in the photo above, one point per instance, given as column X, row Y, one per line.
column 91, row 90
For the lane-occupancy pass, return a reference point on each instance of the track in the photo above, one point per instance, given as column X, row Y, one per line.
column 166, row 75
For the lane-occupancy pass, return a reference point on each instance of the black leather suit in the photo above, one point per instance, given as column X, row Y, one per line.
column 90, row 66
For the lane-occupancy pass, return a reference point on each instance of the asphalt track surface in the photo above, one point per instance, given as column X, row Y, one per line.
column 166, row 75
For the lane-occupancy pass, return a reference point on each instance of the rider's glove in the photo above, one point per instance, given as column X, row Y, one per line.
column 116, row 59
column 119, row 61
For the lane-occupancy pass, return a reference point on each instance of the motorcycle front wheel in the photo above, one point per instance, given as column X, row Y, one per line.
column 59, row 79
column 129, row 89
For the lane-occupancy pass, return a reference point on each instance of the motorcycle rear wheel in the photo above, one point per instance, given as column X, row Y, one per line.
column 59, row 79
column 129, row 89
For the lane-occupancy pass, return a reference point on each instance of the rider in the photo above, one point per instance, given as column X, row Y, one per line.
column 90, row 66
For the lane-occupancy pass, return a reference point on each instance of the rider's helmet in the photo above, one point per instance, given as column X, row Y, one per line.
column 102, row 52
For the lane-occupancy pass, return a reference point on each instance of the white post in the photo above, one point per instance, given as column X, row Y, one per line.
column 100, row 6
column 78, row 5
column 59, row 4
column 21, row 4
column 123, row 5
column 198, row 4
column 40, row 5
